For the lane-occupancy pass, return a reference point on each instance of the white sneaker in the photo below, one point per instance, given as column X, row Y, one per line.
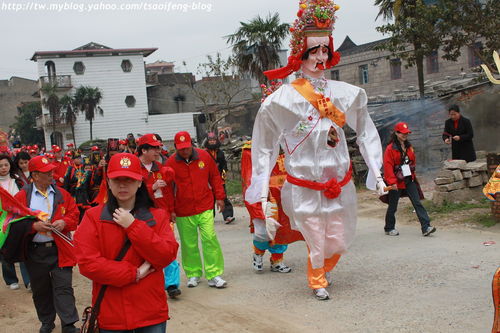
column 321, row 294
column 393, row 232
column 193, row 282
column 14, row 286
column 257, row 263
column 329, row 278
column 217, row 282
column 280, row 267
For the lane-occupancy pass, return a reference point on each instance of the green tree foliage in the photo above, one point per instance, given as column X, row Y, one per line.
column 87, row 100
column 465, row 23
column 417, row 28
column 50, row 100
column 25, row 124
column 256, row 45
column 69, row 113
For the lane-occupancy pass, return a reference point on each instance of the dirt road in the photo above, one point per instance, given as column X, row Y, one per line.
column 407, row 283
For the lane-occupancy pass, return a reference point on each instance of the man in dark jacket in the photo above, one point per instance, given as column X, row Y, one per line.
column 212, row 146
column 458, row 132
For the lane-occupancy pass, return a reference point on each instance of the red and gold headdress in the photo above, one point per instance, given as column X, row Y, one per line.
column 315, row 18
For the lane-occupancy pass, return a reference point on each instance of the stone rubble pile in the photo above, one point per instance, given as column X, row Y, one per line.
column 459, row 181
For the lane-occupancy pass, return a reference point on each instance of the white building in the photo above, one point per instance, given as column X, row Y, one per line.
column 120, row 76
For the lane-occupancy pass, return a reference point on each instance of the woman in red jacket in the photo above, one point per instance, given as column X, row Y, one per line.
column 399, row 174
column 135, row 300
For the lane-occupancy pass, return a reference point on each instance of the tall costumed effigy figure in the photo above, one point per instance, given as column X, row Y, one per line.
column 306, row 119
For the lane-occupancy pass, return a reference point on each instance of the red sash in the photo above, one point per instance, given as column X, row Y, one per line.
column 331, row 188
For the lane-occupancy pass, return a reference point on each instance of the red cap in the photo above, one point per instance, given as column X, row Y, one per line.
column 68, row 153
column 94, row 148
column 402, row 128
column 125, row 165
column 56, row 148
column 4, row 149
column 41, row 164
column 69, row 145
column 149, row 139
column 182, row 140
column 122, row 142
column 35, row 147
column 32, row 151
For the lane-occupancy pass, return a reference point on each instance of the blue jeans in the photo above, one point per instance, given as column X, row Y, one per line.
column 394, row 195
column 158, row 328
column 10, row 276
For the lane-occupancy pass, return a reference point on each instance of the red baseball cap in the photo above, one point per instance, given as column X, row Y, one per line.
column 182, row 140
column 149, row 139
column 94, row 148
column 402, row 128
column 41, row 164
column 122, row 142
column 69, row 144
column 56, row 148
column 125, row 165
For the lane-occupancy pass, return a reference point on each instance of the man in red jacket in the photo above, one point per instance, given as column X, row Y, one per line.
column 50, row 258
column 197, row 180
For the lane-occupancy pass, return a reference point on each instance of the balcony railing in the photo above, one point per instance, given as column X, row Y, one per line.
column 62, row 81
column 46, row 120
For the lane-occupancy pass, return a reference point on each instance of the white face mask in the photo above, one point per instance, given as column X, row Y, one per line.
column 315, row 64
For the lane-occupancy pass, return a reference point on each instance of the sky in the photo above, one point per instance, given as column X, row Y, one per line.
column 182, row 30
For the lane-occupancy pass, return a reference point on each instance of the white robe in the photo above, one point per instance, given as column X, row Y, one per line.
column 286, row 118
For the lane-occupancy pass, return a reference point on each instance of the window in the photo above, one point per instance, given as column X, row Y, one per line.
column 336, row 75
column 363, row 74
column 474, row 60
column 432, row 63
column 126, row 66
column 79, row 68
column 50, row 69
column 130, row 101
column 395, row 69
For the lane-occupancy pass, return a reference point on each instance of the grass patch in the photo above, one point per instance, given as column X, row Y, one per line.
column 486, row 220
column 233, row 187
column 448, row 208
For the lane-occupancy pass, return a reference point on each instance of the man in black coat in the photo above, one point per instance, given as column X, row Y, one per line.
column 212, row 146
column 458, row 132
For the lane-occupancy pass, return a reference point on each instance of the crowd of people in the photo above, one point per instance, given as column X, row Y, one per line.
column 126, row 197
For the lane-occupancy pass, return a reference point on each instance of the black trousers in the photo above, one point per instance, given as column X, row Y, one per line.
column 228, row 207
column 394, row 195
column 52, row 286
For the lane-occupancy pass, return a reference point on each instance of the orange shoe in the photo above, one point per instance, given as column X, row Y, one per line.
column 496, row 301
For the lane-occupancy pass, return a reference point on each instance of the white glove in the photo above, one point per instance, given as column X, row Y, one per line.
column 381, row 186
column 271, row 224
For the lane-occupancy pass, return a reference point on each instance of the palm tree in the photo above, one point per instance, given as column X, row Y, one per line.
column 68, row 104
column 87, row 100
column 256, row 45
column 50, row 100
